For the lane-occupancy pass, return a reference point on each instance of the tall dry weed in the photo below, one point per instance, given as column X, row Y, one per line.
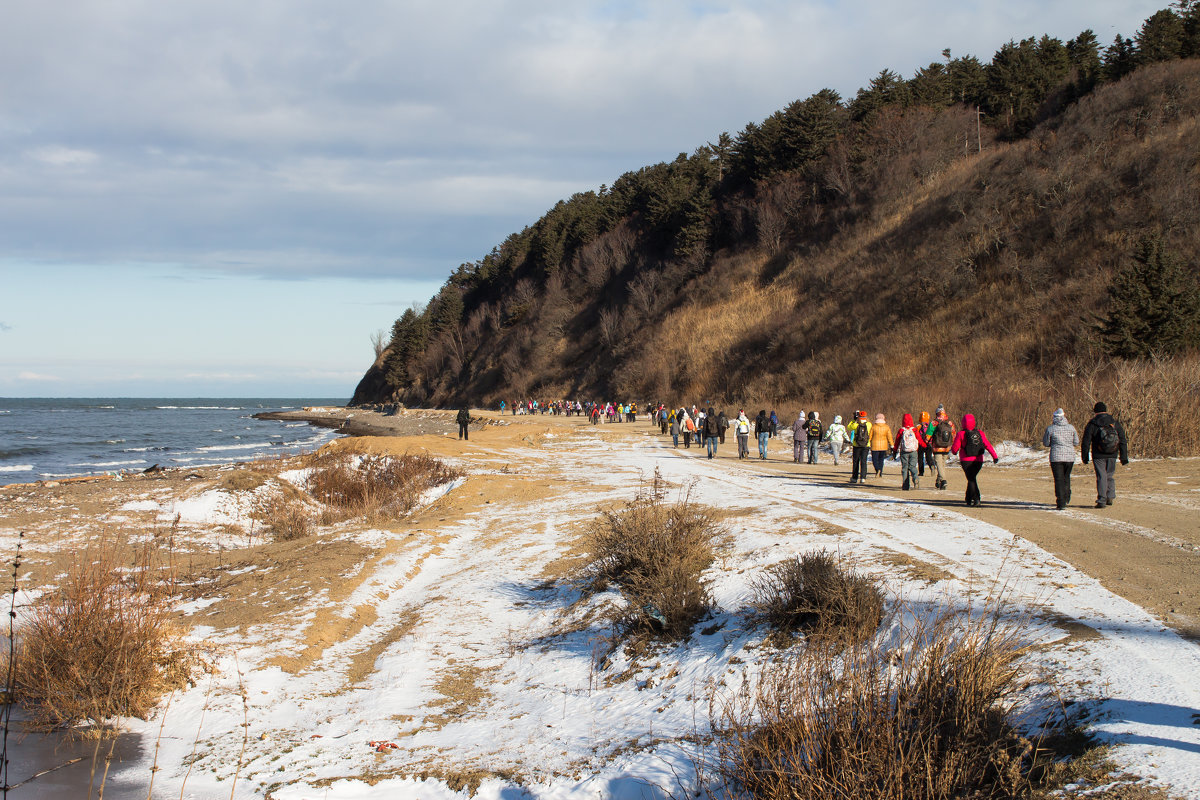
column 374, row 486
column 655, row 552
column 818, row 594
column 925, row 718
column 102, row 644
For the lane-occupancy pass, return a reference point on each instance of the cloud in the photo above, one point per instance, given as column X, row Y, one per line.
column 4, row 326
column 290, row 138
column 38, row 377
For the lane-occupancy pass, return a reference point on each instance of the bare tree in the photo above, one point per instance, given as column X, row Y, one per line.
column 379, row 341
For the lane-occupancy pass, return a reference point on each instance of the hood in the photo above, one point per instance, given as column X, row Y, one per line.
column 968, row 422
column 837, row 419
column 800, row 419
column 908, row 423
column 1104, row 418
column 924, row 416
column 880, row 420
column 1060, row 417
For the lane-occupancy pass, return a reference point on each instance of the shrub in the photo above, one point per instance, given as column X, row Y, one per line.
column 654, row 552
column 284, row 516
column 374, row 486
column 928, row 718
column 101, row 645
column 813, row 592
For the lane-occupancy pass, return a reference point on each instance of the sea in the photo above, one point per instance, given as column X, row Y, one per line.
column 48, row 438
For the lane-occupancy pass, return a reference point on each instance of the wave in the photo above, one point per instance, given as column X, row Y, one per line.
column 199, row 408
column 111, row 463
column 21, row 452
column 159, row 449
column 18, row 468
column 219, row 447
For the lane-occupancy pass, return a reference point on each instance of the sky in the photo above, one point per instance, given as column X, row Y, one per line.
column 225, row 198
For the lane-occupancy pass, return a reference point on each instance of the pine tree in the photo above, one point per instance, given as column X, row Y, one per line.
column 1153, row 304
column 1119, row 59
column 1160, row 38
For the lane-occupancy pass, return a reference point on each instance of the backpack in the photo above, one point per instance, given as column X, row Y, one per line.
column 908, row 440
column 943, row 434
column 862, row 436
column 814, row 429
column 1108, row 440
column 972, row 443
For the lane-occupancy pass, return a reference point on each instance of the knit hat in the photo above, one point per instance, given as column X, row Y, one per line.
column 862, row 415
column 879, row 420
column 939, row 409
column 1099, row 408
column 924, row 416
column 1059, row 414
column 837, row 419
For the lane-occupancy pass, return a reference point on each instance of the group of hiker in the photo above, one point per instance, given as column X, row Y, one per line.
column 924, row 443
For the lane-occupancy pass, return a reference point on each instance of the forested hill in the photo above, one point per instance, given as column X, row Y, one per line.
column 856, row 247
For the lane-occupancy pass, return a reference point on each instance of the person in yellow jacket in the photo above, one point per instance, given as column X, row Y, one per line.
column 881, row 443
column 860, row 442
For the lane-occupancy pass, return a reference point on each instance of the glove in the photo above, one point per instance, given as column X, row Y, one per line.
column 995, row 461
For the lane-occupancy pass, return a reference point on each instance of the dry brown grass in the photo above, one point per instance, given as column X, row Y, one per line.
column 925, row 718
column 654, row 551
column 102, row 644
column 373, row 487
column 284, row 516
column 818, row 594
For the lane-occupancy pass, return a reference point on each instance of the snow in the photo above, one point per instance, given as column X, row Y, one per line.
column 473, row 604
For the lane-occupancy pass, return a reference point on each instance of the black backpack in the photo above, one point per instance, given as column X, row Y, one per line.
column 862, row 435
column 814, row 429
column 1108, row 439
column 972, row 444
column 943, row 434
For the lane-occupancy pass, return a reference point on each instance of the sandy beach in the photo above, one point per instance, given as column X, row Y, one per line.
column 437, row 630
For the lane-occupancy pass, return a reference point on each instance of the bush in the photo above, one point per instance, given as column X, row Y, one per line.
column 374, row 486
column 101, row 645
column 814, row 593
column 928, row 718
column 655, row 552
column 285, row 517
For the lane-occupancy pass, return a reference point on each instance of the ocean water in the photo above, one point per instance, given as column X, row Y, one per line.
column 44, row 438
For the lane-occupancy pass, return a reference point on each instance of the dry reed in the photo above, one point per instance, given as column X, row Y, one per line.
column 819, row 595
column 374, row 486
column 926, row 718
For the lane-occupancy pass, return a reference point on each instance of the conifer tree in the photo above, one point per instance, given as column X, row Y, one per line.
column 1160, row 38
column 1153, row 304
column 1119, row 58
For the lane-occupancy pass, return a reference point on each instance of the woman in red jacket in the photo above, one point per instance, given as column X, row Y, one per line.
column 970, row 445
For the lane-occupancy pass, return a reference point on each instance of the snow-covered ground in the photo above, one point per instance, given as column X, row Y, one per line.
column 470, row 661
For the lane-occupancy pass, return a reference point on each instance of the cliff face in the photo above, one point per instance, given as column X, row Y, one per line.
column 914, row 249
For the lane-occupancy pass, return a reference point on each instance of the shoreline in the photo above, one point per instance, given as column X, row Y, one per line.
column 364, row 422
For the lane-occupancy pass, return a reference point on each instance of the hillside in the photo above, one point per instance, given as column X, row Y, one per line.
column 890, row 252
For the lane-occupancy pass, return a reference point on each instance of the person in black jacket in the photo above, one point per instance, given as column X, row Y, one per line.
column 1104, row 441
column 711, row 431
column 464, row 423
column 762, row 428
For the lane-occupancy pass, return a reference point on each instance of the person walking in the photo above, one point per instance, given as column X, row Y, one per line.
column 836, row 435
column 814, row 430
column 1104, row 441
column 969, row 445
column 722, row 426
column 743, row 434
column 860, row 443
column 673, row 420
column 774, row 428
column 941, row 439
column 762, row 429
column 710, row 432
column 925, row 454
column 908, row 445
column 1062, row 439
column 799, row 437
column 688, row 428
column 464, row 423
column 881, row 443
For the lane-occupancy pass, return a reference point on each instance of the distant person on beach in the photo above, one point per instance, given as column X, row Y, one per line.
column 814, row 430
column 860, row 444
column 711, row 439
column 881, row 443
column 836, row 435
column 799, row 437
column 464, row 423
column 762, row 429
column 969, row 445
column 1062, row 439
column 908, row 447
column 940, row 441
column 743, row 434
column 1104, row 441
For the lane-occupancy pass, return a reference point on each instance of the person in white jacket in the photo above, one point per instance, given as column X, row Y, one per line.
column 743, row 434
column 836, row 435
